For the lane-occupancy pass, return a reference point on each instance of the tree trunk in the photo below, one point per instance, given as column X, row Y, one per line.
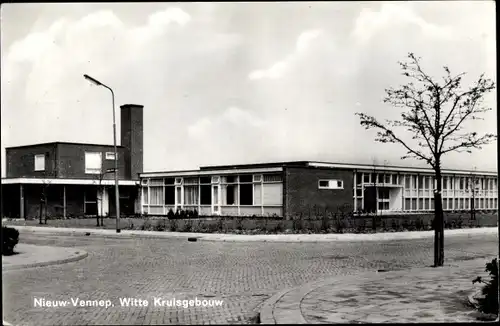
column 438, row 221
column 41, row 211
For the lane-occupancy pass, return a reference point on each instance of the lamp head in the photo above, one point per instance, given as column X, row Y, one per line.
column 92, row 80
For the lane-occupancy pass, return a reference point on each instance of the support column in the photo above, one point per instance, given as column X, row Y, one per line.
column 21, row 201
column 64, row 201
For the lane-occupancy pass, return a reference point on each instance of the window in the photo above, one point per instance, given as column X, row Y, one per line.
column 383, row 206
column 93, row 163
column 156, row 194
column 190, row 194
column 246, row 178
column 229, row 194
column 40, row 162
column 110, row 155
column 383, row 193
column 169, row 181
column 215, row 179
column 206, row 194
column 169, row 195
column 230, row 179
column 178, row 181
column 366, row 178
column 257, row 178
column 387, row 178
column 246, row 194
column 331, row 184
column 272, row 178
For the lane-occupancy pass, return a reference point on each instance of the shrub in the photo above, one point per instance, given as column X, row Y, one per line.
column 10, row 238
column 239, row 223
column 173, row 225
column 279, row 227
column 146, row 225
column 170, row 214
column 394, row 225
column 188, row 226
column 160, row 225
column 195, row 213
column 489, row 303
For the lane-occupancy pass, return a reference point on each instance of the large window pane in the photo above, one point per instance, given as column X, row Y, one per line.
column 229, row 194
column 156, row 194
column 190, row 195
column 169, row 195
column 206, row 195
column 246, row 194
column 93, row 163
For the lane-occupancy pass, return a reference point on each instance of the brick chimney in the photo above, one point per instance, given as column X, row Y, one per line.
column 132, row 139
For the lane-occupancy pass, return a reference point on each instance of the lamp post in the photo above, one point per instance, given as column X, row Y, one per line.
column 117, row 193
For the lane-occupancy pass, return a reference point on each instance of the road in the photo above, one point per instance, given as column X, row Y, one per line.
column 243, row 275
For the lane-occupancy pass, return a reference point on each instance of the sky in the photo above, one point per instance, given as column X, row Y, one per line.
column 235, row 83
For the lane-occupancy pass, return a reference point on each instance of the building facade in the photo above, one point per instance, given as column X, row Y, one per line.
column 295, row 188
column 75, row 179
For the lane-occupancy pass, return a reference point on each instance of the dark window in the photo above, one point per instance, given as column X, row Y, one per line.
column 383, row 205
column 246, row 178
column 206, row 194
column 359, row 192
column 205, row 180
column 246, row 194
column 231, row 179
column 339, row 184
column 170, row 195
column 169, row 181
column 323, row 183
column 230, row 195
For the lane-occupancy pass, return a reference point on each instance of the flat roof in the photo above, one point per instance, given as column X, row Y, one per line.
column 61, row 181
column 61, row 142
column 310, row 164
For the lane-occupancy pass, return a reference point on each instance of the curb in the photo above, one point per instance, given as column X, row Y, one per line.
column 257, row 238
column 83, row 254
column 266, row 312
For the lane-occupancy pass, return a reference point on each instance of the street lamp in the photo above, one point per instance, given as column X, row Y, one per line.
column 117, row 193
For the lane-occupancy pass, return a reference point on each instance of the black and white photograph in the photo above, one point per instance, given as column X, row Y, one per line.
column 185, row 163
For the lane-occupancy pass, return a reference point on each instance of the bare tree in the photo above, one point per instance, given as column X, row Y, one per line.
column 434, row 113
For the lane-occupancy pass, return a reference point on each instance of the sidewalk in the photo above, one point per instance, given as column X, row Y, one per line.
column 37, row 256
column 416, row 295
column 258, row 237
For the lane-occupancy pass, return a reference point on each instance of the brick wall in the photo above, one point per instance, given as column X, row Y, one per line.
column 71, row 159
column 302, row 192
column 20, row 161
column 132, row 139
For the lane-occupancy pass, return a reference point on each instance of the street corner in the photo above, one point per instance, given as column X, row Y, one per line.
column 29, row 256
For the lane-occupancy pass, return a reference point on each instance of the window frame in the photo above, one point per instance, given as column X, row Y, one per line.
column 110, row 156
column 35, row 161
column 92, row 170
column 330, row 182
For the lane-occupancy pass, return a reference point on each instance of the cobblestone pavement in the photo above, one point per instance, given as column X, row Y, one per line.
column 420, row 295
column 243, row 274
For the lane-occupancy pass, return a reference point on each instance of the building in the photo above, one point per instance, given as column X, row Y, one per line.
column 293, row 188
column 75, row 179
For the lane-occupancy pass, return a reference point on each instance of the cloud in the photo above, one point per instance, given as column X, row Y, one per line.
column 232, row 117
column 370, row 22
column 278, row 69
